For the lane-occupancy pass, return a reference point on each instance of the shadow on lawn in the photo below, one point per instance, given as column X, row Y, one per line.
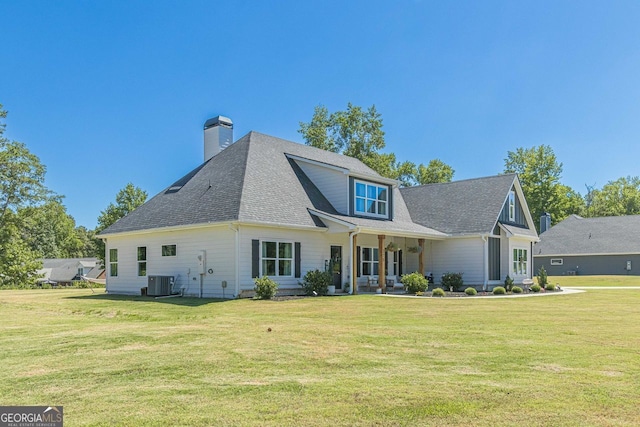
column 184, row 301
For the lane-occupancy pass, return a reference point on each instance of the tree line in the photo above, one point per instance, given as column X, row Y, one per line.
column 34, row 223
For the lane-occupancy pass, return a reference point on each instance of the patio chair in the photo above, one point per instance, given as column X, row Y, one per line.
column 372, row 282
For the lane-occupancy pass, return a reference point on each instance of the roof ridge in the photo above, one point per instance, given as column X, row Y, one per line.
column 462, row 180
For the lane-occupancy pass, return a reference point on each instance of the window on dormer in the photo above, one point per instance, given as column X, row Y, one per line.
column 371, row 199
column 512, row 206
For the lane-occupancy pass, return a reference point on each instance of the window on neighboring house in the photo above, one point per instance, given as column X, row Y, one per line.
column 369, row 261
column 113, row 262
column 520, row 261
column 512, row 206
column 142, row 260
column 277, row 259
column 371, row 199
column 557, row 261
column 169, row 250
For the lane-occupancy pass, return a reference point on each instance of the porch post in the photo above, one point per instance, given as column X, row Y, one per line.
column 421, row 256
column 382, row 276
column 354, row 267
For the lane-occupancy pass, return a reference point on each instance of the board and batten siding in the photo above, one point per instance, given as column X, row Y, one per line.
column 520, row 217
column 217, row 242
column 333, row 184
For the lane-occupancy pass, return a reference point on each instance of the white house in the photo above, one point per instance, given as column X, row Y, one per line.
column 266, row 206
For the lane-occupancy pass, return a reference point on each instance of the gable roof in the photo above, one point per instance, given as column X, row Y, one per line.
column 66, row 269
column 470, row 206
column 590, row 236
column 256, row 180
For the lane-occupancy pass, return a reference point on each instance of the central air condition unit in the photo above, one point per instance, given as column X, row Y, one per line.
column 159, row 286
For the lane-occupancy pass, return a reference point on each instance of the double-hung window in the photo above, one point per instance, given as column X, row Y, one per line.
column 520, row 261
column 113, row 262
column 369, row 261
column 142, row 260
column 277, row 259
column 371, row 199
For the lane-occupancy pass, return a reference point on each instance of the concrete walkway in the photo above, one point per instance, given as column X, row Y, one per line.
column 601, row 287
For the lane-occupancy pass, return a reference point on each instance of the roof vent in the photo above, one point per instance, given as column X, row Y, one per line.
column 218, row 135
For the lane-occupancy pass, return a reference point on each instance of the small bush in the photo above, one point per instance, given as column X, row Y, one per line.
column 452, row 281
column 316, row 281
column 471, row 292
column 542, row 277
column 535, row 288
column 437, row 292
column 508, row 283
column 414, row 282
column 265, row 288
column 516, row 290
column 550, row 287
column 499, row 290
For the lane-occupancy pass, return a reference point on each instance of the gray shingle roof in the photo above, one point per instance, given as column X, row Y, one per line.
column 580, row 236
column 470, row 206
column 65, row 269
column 252, row 180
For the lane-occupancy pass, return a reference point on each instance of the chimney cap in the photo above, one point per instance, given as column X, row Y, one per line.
column 218, row 121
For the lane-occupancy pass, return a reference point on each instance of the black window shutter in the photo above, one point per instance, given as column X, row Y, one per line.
column 358, row 261
column 255, row 258
column 298, row 267
column 400, row 263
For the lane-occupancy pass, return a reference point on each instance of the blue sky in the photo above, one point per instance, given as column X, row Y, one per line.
column 107, row 93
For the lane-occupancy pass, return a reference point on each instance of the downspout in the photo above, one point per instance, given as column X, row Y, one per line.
column 106, row 272
column 352, row 262
column 236, row 231
column 485, row 264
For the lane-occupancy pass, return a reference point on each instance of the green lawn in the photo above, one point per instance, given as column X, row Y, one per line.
column 565, row 360
column 587, row 281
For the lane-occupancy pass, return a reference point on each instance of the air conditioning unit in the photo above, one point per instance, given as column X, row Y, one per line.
column 158, row 286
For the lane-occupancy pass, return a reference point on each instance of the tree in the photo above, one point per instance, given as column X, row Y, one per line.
column 539, row 172
column 358, row 133
column 50, row 231
column 127, row 199
column 619, row 197
column 21, row 185
column 435, row 172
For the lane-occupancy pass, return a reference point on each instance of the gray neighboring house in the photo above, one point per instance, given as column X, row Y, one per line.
column 64, row 271
column 590, row 246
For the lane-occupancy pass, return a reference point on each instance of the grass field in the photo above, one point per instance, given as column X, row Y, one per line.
column 589, row 281
column 565, row 360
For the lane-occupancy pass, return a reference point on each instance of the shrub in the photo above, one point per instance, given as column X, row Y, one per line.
column 471, row 292
column 516, row 290
column 535, row 288
column 414, row 282
column 542, row 277
column 265, row 288
column 453, row 281
column 508, row 283
column 550, row 287
column 499, row 290
column 437, row 292
column 316, row 281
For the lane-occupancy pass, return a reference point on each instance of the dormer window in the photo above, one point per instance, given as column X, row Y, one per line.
column 371, row 199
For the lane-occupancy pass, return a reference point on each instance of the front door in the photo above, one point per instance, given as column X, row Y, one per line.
column 335, row 266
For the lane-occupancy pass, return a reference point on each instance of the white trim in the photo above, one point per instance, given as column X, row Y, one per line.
column 277, row 258
column 376, row 201
column 317, row 163
column 168, row 244
column 511, row 206
column 559, row 261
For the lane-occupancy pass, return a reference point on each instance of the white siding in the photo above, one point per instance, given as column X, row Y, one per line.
column 315, row 249
column 333, row 184
column 458, row 256
column 217, row 242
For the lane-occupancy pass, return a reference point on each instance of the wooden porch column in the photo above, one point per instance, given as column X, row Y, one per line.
column 382, row 275
column 421, row 256
column 354, row 266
